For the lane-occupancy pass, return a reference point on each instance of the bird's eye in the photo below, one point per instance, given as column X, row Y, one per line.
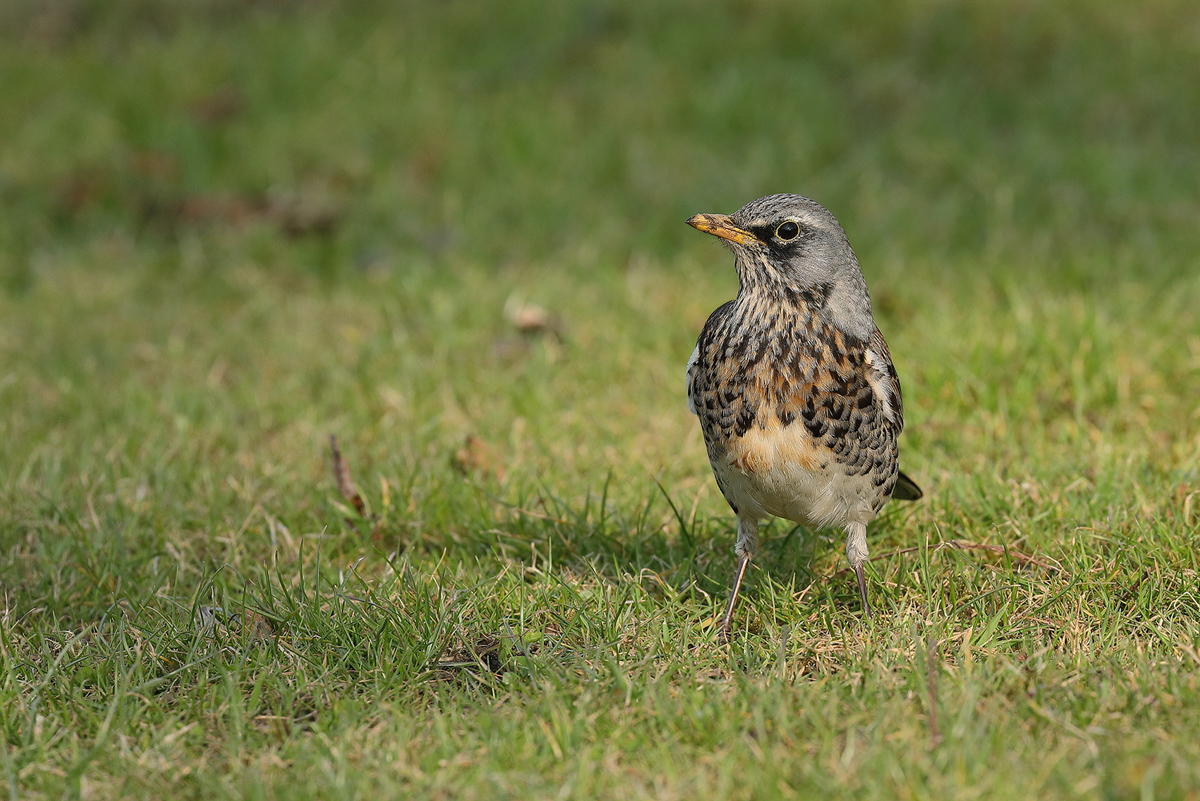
column 788, row 231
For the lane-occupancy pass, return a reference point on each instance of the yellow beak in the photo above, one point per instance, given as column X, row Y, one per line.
column 721, row 225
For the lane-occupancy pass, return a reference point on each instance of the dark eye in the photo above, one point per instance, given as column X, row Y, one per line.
column 787, row 231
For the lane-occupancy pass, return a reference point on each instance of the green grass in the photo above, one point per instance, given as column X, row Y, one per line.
column 229, row 231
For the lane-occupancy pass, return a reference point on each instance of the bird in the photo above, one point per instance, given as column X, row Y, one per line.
column 793, row 383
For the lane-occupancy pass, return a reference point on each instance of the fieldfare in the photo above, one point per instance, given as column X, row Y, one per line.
column 794, row 385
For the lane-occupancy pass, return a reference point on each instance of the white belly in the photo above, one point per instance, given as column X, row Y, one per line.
column 816, row 497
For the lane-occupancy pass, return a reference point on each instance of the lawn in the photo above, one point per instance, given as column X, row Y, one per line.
column 452, row 236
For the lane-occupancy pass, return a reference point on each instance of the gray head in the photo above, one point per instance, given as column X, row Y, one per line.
column 788, row 244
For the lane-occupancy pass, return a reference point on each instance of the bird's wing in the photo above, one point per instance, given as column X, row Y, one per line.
column 882, row 377
column 699, row 377
column 691, row 373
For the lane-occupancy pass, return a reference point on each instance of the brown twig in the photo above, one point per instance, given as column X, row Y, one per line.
column 341, row 474
column 964, row 545
column 531, row 513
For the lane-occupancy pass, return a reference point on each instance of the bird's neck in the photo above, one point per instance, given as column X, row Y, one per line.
column 802, row 309
column 804, row 300
column 834, row 298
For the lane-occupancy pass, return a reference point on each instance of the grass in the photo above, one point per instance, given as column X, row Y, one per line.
column 228, row 232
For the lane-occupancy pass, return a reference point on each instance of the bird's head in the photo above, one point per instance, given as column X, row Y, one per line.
column 792, row 246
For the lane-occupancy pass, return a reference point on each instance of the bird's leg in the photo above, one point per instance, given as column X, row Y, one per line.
column 727, row 621
column 747, row 544
column 862, row 590
column 856, row 552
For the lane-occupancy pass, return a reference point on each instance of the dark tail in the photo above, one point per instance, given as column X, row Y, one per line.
column 906, row 489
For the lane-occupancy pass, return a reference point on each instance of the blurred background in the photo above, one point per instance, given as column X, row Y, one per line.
column 229, row 229
column 342, row 136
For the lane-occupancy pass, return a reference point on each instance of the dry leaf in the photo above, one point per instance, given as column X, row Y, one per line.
column 475, row 456
column 531, row 319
